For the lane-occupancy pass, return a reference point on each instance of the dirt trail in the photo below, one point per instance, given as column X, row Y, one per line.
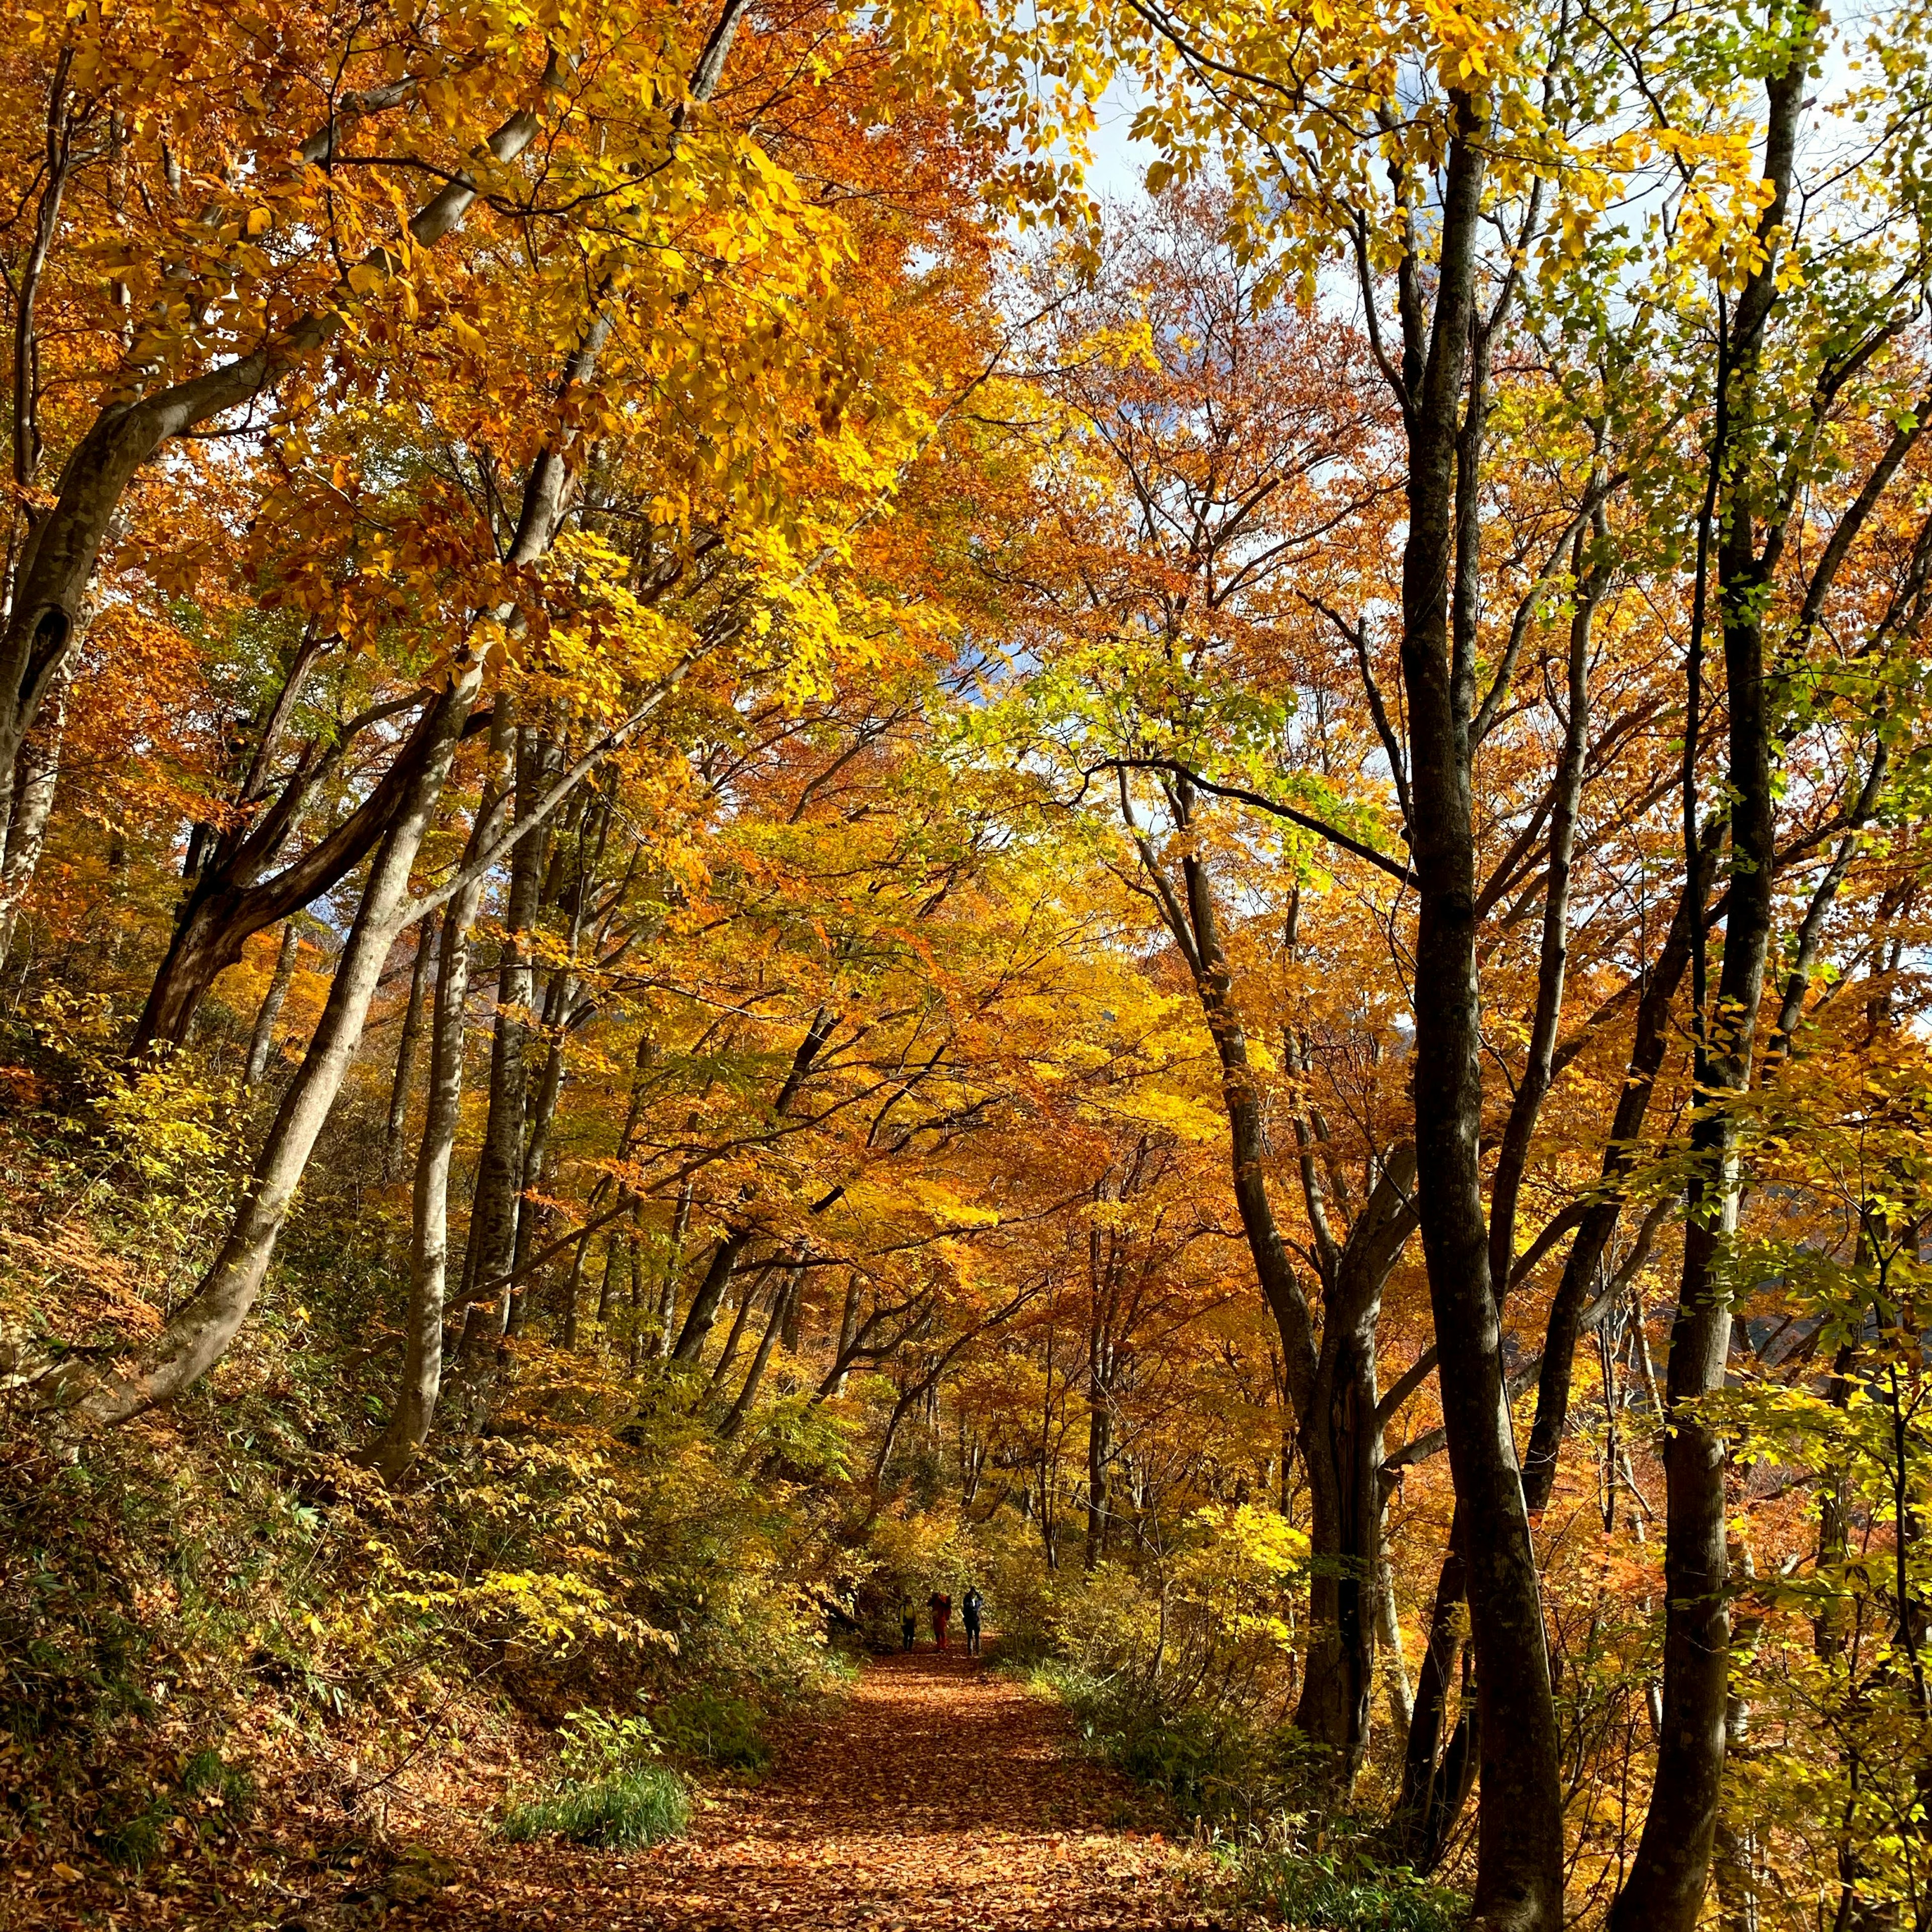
column 938, row 1798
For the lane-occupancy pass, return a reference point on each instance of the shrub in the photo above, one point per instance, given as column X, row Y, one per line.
column 621, row 1813
column 1350, row 1894
column 592, row 1745
column 720, row 1729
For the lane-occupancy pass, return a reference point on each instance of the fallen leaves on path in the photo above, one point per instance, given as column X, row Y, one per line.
column 938, row 1798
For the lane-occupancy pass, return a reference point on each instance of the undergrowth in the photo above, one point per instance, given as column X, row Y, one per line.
column 225, row 1646
column 622, row 1813
column 1249, row 1789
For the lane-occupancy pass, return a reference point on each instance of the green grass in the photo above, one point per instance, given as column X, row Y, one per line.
column 133, row 1834
column 620, row 1813
column 1351, row 1895
column 206, row 1775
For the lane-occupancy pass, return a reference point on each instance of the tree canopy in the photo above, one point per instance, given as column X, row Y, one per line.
column 751, row 860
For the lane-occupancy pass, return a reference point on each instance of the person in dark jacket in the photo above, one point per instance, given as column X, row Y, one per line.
column 970, row 1605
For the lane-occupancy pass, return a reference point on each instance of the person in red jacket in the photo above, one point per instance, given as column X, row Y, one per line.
column 941, row 1605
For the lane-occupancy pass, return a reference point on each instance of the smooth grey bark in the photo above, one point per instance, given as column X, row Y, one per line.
column 420, row 1388
column 499, row 1166
column 406, row 1050
column 36, row 779
column 199, row 1333
column 263, row 1036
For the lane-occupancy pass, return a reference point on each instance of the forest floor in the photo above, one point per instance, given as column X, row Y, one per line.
column 939, row 1795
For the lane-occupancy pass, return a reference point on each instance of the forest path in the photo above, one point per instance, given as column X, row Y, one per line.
column 938, row 1797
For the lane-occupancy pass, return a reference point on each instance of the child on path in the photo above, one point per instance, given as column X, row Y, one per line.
column 969, row 1607
column 941, row 1605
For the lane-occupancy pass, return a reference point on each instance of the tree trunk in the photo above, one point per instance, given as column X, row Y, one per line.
column 1388, row 1642
column 200, row 1333
column 1435, row 1782
column 1655, row 1017
column 680, row 1226
column 421, row 1387
column 704, row 1304
column 848, row 1327
column 1338, row 1438
column 1099, row 1454
column 1519, row 1856
column 406, row 1052
column 789, row 1290
column 55, row 575
column 1341, row 1447
column 270, row 1010
column 1664, row 1892
column 530, row 1220
column 229, row 900
column 499, row 1168
column 573, row 1289
column 36, row 779
column 30, row 646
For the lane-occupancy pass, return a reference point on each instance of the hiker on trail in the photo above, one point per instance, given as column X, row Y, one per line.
column 907, row 1626
column 941, row 1605
column 969, row 1607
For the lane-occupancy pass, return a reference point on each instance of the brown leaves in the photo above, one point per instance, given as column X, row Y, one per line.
column 938, row 1798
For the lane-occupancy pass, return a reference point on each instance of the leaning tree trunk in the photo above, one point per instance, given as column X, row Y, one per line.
column 703, row 1313
column 200, row 1333
column 53, row 579
column 791, row 1285
column 229, row 900
column 52, row 586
